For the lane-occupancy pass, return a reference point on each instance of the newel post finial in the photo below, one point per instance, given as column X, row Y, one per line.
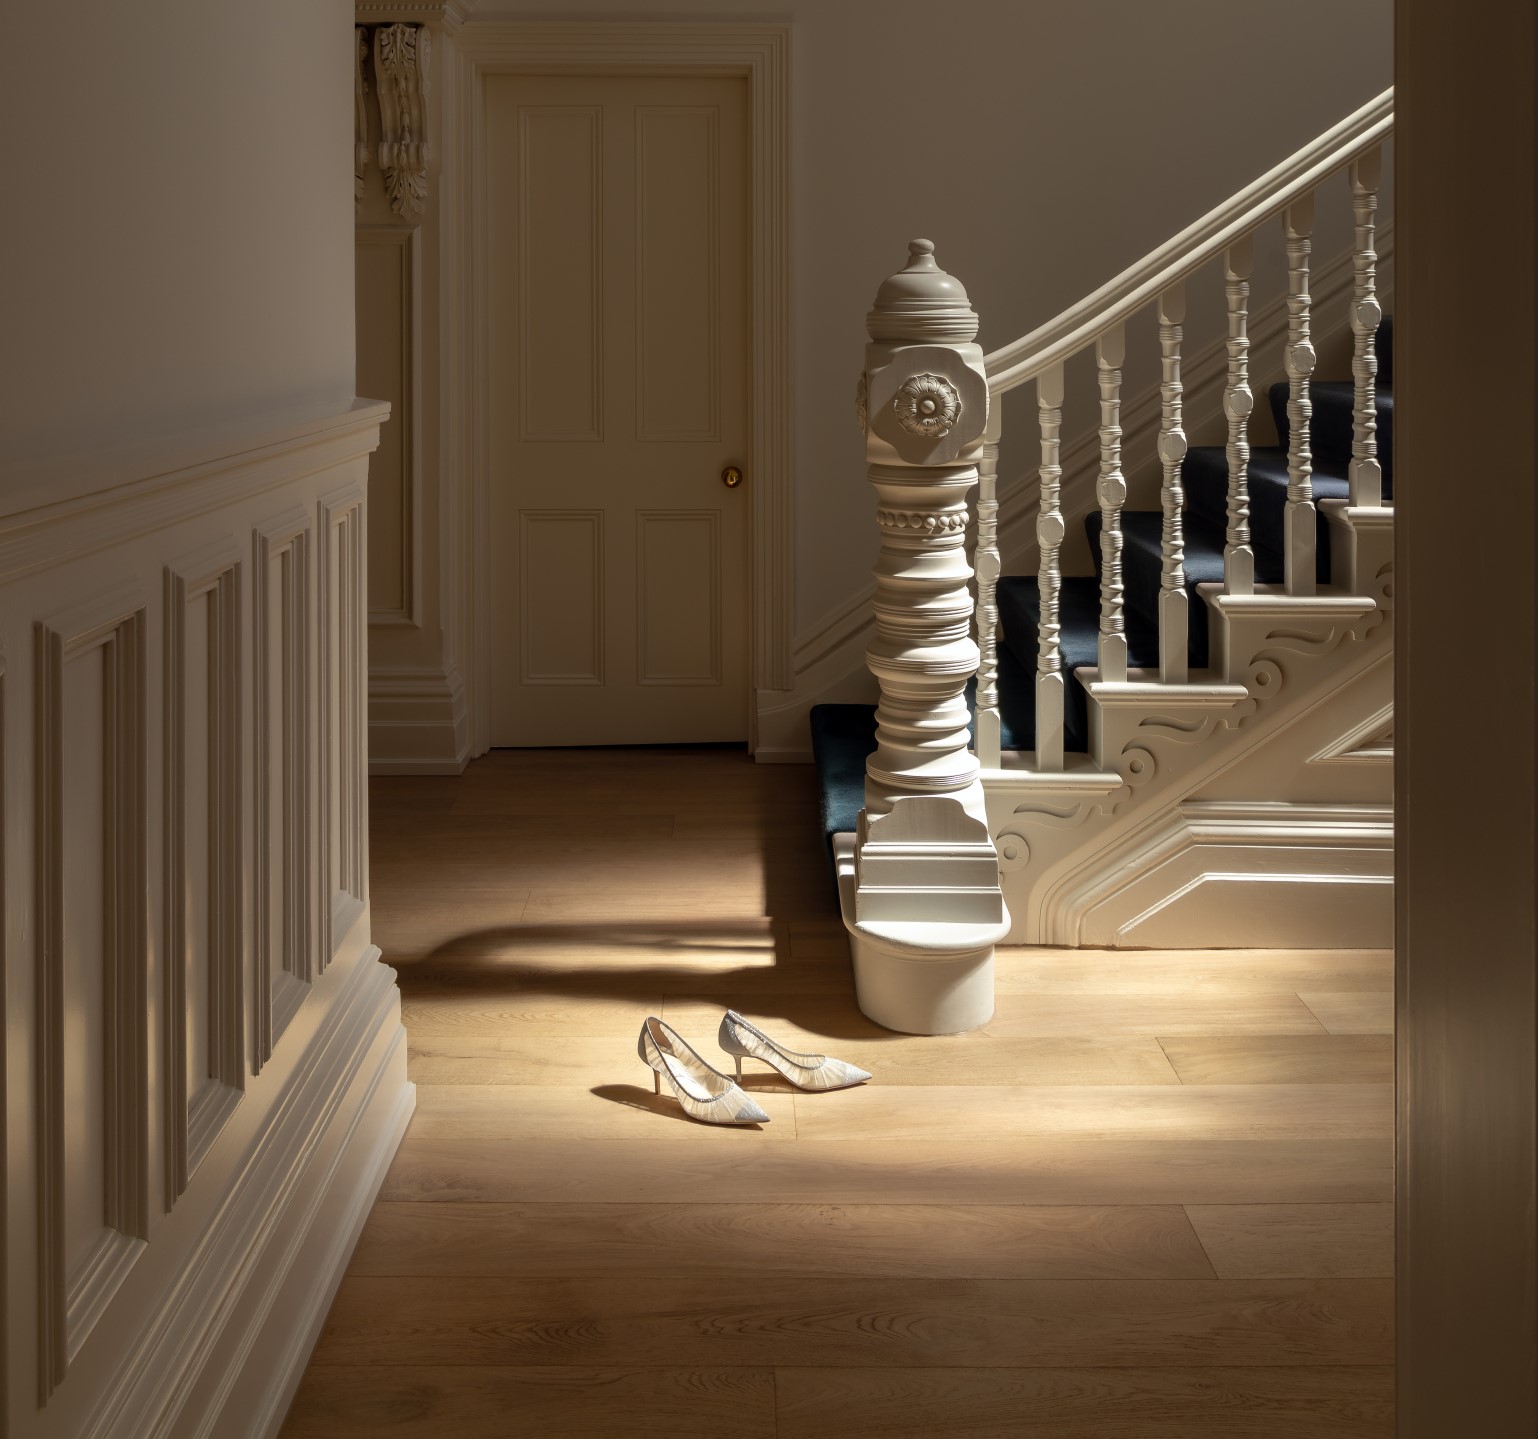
column 925, row 872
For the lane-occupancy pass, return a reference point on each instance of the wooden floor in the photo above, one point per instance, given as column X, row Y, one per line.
column 1151, row 1200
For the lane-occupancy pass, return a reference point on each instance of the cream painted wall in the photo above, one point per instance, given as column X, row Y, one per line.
column 1042, row 146
column 179, row 248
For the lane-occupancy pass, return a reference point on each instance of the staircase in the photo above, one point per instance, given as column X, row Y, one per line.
column 1191, row 746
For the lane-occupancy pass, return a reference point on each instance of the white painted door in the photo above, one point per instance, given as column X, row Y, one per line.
column 617, row 284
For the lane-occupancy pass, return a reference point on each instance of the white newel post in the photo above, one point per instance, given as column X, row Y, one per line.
column 923, row 902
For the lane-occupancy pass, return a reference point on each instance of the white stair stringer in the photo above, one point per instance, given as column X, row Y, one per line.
column 1251, row 807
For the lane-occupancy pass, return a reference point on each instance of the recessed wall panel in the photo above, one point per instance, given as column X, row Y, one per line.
column 678, row 588
column 203, row 975
column 90, row 945
column 560, row 273
column 86, row 895
column 678, row 273
column 561, row 596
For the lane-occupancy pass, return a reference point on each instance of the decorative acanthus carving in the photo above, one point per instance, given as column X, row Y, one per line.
column 927, row 405
column 860, row 391
column 946, row 523
column 402, row 54
column 359, row 113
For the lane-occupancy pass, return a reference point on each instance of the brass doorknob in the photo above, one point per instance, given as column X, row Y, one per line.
column 731, row 477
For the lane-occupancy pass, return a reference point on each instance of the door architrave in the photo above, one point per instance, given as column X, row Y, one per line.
column 760, row 54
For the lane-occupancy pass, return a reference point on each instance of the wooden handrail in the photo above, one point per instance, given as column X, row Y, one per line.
column 1082, row 324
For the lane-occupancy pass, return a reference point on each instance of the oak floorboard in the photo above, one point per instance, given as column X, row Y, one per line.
column 1352, row 1012
column 1282, row 1059
column 1297, row 1241
column 660, row 1319
column 1111, row 1012
column 468, row 1058
column 834, row 1025
column 1149, row 1200
column 550, row 1017
column 1104, row 1112
column 362, row 1401
column 1049, row 1171
column 624, row 1109
column 745, row 1241
column 1189, row 973
column 1170, row 1403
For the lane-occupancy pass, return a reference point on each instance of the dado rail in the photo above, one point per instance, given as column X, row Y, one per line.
column 1166, row 751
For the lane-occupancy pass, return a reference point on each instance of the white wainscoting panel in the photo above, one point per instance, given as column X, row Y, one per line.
column 203, row 1056
column 285, row 813
column 91, row 1081
column 204, row 958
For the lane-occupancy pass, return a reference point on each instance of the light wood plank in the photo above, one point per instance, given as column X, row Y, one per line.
column 359, row 1402
column 1173, row 1403
column 1283, row 1059
column 548, row 1018
column 1029, row 970
column 744, row 1241
column 1101, row 1112
column 1297, row 1241
column 663, row 1320
column 821, row 1024
column 1104, row 1013
column 1049, row 1171
column 1352, row 1012
column 558, row 1252
column 625, row 1108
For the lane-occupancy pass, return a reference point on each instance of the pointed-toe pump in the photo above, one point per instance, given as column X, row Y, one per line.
column 703, row 1092
column 806, row 1071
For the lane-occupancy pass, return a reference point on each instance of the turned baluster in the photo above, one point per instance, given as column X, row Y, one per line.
column 1111, row 491
column 1050, row 680
column 1366, row 313
column 1238, row 401
column 988, row 567
column 1174, row 617
column 1301, row 524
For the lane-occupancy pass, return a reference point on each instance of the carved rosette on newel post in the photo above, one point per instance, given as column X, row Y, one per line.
column 920, row 881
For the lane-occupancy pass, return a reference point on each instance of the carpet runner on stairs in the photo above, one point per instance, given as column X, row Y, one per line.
column 844, row 735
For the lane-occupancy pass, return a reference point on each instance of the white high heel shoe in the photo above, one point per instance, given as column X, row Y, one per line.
column 806, row 1071
column 703, row 1092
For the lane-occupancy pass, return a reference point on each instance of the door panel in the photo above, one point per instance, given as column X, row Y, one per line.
column 618, row 323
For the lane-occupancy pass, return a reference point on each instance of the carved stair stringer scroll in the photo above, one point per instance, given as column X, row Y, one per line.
column 1152, row 745
column 402, row 63
column 920, row 879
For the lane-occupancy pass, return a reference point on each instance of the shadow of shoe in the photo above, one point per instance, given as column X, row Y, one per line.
column 662, row 1105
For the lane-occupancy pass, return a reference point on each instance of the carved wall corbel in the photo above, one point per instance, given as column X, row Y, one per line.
column 402, row 55
column 359, row 114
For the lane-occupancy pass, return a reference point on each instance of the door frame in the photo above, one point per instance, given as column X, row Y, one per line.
column 760, row 54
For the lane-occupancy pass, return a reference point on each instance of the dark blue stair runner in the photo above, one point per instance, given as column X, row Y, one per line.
column 844, row 735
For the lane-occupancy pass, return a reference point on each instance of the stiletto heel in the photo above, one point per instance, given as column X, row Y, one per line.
column 703, row 1092
column 806, row 1071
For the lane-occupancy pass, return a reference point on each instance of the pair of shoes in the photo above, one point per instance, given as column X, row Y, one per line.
column 706, row 1094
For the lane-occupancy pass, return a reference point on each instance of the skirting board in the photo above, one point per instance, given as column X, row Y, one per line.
column 227, row 1349
column 418, row 722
